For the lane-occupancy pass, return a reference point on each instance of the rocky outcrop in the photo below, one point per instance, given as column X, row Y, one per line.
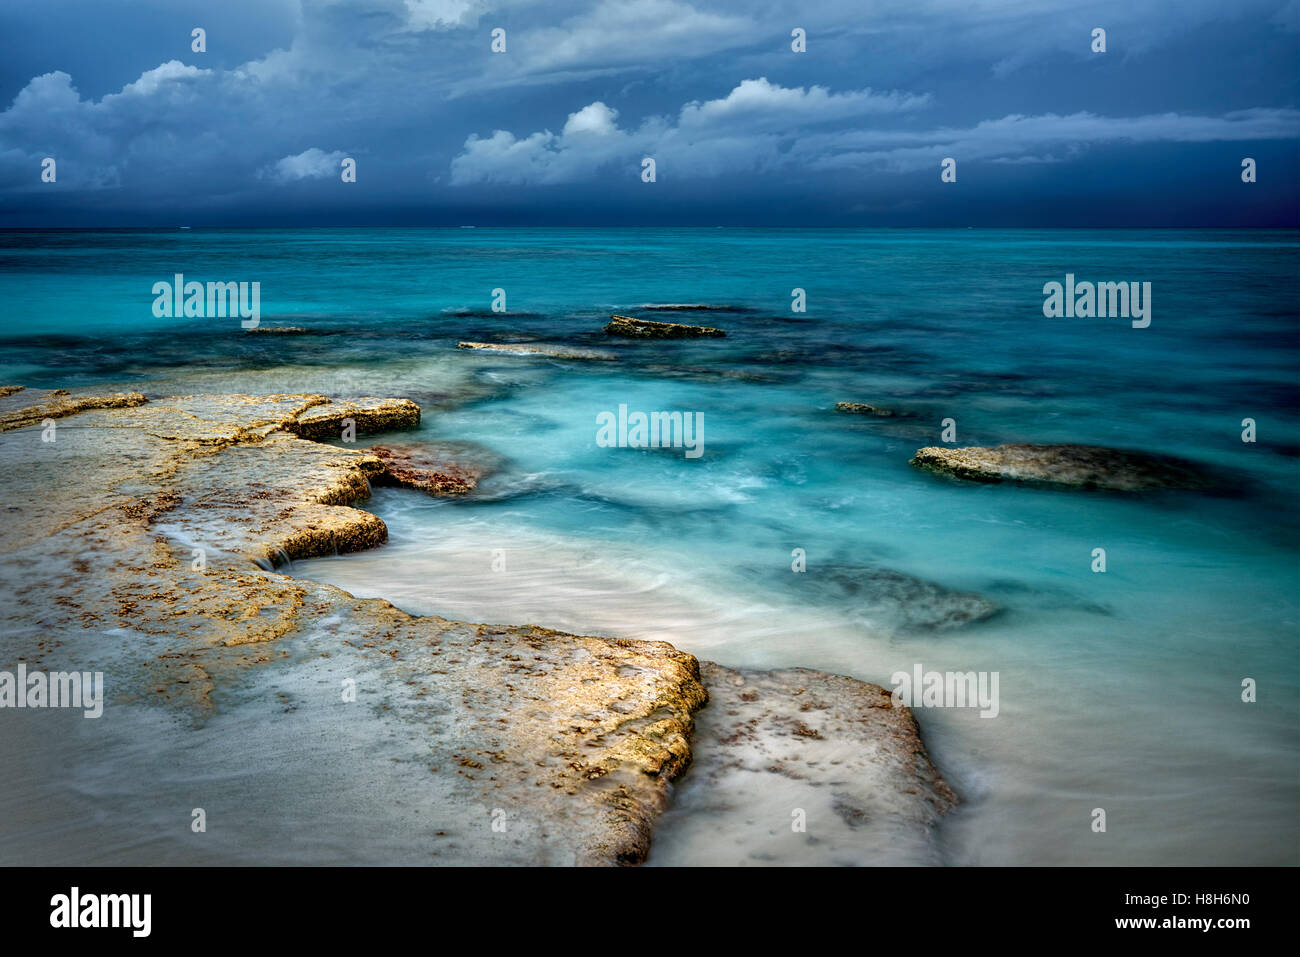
column 38, row 406
column 538, row 349
column 647, row 329
column 1074, row 466
column 686, row 307
column 154, row 563
column 861, row 408
column 327, row 419
column 164, row 515
column 760, row 792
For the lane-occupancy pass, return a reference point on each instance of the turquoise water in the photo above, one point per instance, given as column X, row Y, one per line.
column 1118, row 690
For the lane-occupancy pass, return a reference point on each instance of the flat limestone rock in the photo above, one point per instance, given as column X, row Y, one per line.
column 35, row 406
column 861, row 408
column 538, row 349
column 326, row 420
column 648, row 329
column 799, row 767
column 1074, row 466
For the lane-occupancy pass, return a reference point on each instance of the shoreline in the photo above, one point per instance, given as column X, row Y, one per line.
column 574, row 739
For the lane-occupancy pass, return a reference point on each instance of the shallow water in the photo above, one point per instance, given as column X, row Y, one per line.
column 1118, row 690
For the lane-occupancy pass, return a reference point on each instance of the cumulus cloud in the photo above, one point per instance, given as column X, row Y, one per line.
column 760, row 104
column 313, row 163
column 165, row 78
column 596, row 118
column 746, row 129
column 92, row 140
column 442, row 14
column 760, row 126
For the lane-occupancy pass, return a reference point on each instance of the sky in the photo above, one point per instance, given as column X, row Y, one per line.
column 742, row 128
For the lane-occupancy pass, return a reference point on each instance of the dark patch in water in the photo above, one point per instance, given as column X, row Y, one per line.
column 1001, row 383
column 884, row 596
column 720, row 374
column 487, row 314
column 1037, row 596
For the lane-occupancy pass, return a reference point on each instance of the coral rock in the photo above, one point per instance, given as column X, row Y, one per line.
column 1074, row 466
column 647, row 329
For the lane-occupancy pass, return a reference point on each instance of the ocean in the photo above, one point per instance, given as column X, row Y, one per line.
column 1119, row 689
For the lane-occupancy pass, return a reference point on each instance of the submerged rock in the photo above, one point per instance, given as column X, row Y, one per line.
column 893, row 600
column 1074, row 466
column 413, row 467
column 538, row 349
column 861, row 408
column 711, row 373
column 648, row 329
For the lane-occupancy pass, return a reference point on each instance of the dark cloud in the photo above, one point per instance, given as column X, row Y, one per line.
column 742, row 129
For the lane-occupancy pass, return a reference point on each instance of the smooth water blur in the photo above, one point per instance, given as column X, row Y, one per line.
column 1118, row 690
